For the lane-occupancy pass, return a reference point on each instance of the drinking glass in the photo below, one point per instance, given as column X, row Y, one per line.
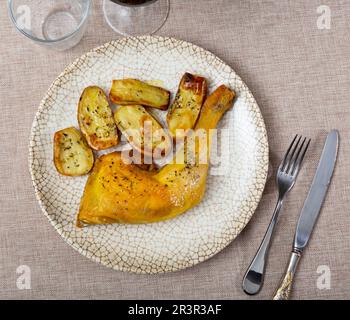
column 136, row 17
column 57, row 24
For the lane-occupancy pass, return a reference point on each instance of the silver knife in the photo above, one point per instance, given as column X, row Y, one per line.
column 310, row 211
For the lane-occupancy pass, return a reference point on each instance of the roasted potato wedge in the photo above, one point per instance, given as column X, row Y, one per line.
column 142, row 130
column 95, row 119
column 72, row 155
column 132, row 91
column 185, row 109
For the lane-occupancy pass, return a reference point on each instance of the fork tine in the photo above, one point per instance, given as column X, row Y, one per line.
column 290, row 156
column 300, row 159
column 295, row 158
column 283, row 162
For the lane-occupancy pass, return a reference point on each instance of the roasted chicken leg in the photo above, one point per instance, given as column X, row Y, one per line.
column 123, row 193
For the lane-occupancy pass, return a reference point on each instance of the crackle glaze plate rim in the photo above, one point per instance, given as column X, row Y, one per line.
column 261, row 175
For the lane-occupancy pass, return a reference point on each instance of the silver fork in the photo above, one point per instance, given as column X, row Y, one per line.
column 286, row 176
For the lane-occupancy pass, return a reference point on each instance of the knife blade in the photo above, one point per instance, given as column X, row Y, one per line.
column 317, row 193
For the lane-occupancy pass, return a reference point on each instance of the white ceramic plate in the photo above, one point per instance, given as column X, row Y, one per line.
column 233, row 191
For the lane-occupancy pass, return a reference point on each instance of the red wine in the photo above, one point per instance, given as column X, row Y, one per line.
column 133, row 2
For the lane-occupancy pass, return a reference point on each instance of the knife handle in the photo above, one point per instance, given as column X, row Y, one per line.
column 285, row 288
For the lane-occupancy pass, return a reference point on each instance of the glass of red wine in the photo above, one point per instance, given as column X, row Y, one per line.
column 136, row 17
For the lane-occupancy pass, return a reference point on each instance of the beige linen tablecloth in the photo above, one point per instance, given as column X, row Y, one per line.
column 300, row 76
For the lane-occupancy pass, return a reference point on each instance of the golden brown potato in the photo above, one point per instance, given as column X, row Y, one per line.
column 132, row 91
column 117, row 192
column 185, row 109
column 72, row 155
column 142, row 130
column 95, row 119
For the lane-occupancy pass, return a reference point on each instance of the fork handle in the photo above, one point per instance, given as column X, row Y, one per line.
column 285, row 288
column 254, row 277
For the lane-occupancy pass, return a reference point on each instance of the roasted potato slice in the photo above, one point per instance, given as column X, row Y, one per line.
column 142, row 130
column 185, row 109
column 95, row 119
column 132, row 91
column 72, row 155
